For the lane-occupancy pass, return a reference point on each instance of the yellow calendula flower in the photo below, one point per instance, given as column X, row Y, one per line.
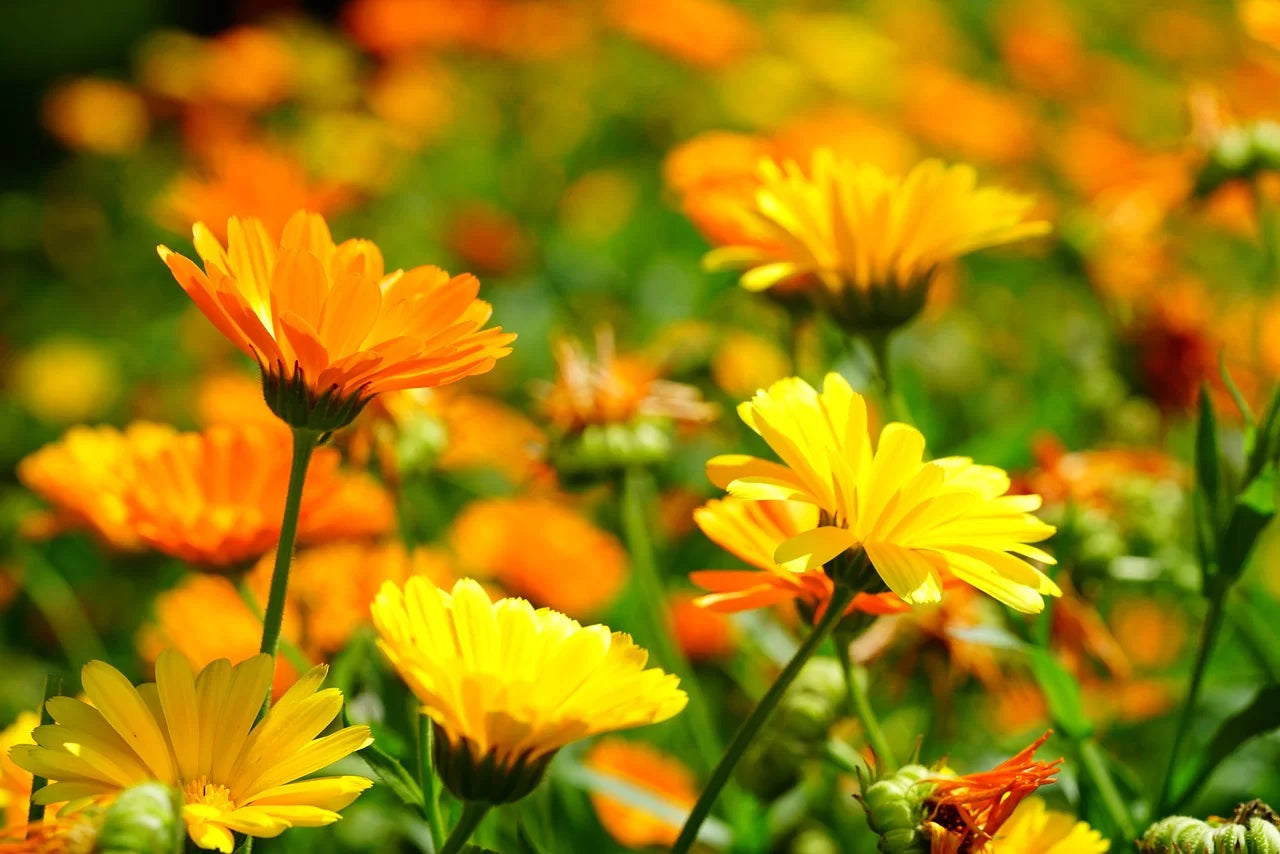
column 507, row 686
column 871, row 241
column 1033, row 828
column 328, row 325
column 918, row 523
column 15, row 782
column 196, row 732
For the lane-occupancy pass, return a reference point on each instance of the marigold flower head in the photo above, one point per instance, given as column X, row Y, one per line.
column 508, row 686
column 648, row 769
column 85, row 474
column 871, row 240
column 196, row 732
column 192, row 497
column 967, row 812
column 327, row 326
column 15, row 782
column 98, row 116
column 917, row 522
column 527, row 543
column 753, row 531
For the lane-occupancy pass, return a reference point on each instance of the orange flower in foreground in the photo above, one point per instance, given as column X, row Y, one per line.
column 327, row 325
column 704, row 33
column 752, row 531
column 84, row 476
column 214, row 498
column 541, row 550
column 643, row 767
column 247, row 179
column 966, row 812
column 99, row 116
column 205, row 618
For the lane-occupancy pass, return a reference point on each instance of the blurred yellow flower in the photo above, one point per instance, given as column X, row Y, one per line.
column 65, row 380
column 1033, row 829
column 196, row 732
column 323, row 320
column 15, row 782
column 705, row 33
column 653, row 772
column 214, row 498
column 413, row 95
column 917, row 522
column 248, row 68
column 508, row 685
column 528, row 543
column 1261, row 20
column 873, row 241
column 98, row 116
column 85, row 474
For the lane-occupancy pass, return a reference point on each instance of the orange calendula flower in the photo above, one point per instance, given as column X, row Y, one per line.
column 967, row 812
column 705, row 33
column 752, row 531
column 328, row 326
column 918, row 523
column 526, row 543
column 871, row 240
column 84, row 476
column 214, row 498
column 653, row 772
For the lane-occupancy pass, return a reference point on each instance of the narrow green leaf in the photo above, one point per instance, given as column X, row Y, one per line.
column 1061, row 693
column 1253, row 510
column 1262, row 715
column 390, row 771
column 1208, row 485
column 1234, row 390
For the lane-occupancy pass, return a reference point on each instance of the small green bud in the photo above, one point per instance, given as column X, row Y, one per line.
column 896, row 811
column 144, row 818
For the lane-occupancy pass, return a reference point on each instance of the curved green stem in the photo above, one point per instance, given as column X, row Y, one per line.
column 428, row 781
column 878, row 341
column 636, row 489
column 304, row 442
column 855, row 676
column 1095, row 765
column 473, row 812
column 56, row 600
column 1212, row 625
column 747, row 732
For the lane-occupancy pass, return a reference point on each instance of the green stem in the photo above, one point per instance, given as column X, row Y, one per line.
column 304, row 442
column 747, row 732
column 52, row 688
column 56, row 601
column 855, row 676
column 1095, row 765
column 1212, row 625
column 636, row 489
column 1262, row 642
column 878, row 341
column 472, row 814
column 428, row 781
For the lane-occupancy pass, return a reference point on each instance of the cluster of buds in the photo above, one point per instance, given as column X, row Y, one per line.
column 1254, row 828
column 1240, row 153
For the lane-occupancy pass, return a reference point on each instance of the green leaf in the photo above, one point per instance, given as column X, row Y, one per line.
column 1262, row 442
column 390, row 771
column 1208, row 484
column 1254, row 508
column 1061, row 693
column 1262, row 715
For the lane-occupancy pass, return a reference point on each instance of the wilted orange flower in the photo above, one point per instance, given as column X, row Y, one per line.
column 966, row 812
column 648, row 769
column 542, row 550
column 85, row 474
column 331, row 587
column 99, row 116
column 67, row 833
column 15, row 782
column 1091, row 477
column 205, row 618
column 703, row 634
column 248, row 179
column 752, row 531
column 705, row 33
column 1178, row 346
column 1081, row 639
column 214, row 498
column 614, row 389
column 325, row 319
column 966, row 118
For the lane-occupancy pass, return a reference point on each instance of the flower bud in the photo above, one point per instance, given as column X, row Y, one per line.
column 145, row 817
column 1253, row 829
column 895, row 808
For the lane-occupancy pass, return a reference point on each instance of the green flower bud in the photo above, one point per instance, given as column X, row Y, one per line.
column 895, row 808
column 1253, row 829
column 144, row 818
column 603, row 448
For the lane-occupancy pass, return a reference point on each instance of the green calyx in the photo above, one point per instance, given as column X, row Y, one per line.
column 881, row 308
column 484, row 778
column 300, row 406
column 895, row 808
column 1254, row 828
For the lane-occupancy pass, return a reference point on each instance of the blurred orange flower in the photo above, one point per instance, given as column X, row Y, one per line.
column 643, row 767
column 488, row 239
column 705, row 33
column 1091, row 477
column 413, row 95
column 1040, row 44
column 248, row 68
column 232, row 397
column 967, row 119
column 205, row 618
column 744, row 363
column 542, row 550
column 752, row 531
column 85, row 474
column 214, row 499
column 517, row 28
column 1151, row 632
column 247, row 179
column 703, row 634
column 98, row 116
column 326, row 317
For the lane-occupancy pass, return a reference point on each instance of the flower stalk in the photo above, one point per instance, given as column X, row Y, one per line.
column 473, row 812
column 855, row 677
column 304, row 443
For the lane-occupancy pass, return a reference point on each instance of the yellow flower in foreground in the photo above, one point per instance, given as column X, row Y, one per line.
column 873, row 241
column 15, row 782
column 196, row 732
column 328, row 326
column 918, row 522
column 1032, row 829
column 508, row 686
